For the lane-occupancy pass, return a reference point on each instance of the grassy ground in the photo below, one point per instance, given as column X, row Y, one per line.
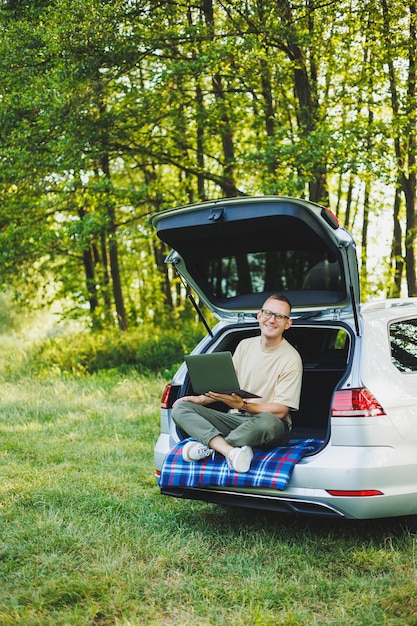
column 86, row 538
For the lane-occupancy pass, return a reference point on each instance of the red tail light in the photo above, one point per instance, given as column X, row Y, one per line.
column 330, row 218
column 169, row 395
column 165, row 397
column 358, row 402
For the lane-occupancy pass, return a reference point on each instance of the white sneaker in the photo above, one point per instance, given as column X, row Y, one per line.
column 195, row 451
column 239, row 459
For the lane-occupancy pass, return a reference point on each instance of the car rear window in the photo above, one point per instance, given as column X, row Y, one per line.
column 260, row 272
column 403, row 338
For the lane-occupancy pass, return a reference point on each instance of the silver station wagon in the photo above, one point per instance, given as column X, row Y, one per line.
column 353, row 447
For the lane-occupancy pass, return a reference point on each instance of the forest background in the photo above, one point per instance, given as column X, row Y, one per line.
column 111, row 111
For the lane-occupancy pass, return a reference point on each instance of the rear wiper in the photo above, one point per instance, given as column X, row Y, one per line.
column 307, row 316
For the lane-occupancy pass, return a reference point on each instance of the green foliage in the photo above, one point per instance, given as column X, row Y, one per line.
column 146, row 351
column 111, row 111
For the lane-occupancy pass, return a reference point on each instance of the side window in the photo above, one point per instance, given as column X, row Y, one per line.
column 403, row 339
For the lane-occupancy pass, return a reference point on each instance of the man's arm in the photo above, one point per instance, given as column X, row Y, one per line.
column 236, row 402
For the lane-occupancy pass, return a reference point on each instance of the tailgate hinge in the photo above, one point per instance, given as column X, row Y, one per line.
column 336, row 314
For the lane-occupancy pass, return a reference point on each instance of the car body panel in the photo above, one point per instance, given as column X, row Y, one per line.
column 399, row 397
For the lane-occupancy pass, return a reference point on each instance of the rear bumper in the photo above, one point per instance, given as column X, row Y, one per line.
column 359, row 508
column 256, row 501
column 333, row 468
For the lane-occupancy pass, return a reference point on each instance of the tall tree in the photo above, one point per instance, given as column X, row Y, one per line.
column 404, row 110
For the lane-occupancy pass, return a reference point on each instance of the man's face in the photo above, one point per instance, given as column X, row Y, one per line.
column 272, row 327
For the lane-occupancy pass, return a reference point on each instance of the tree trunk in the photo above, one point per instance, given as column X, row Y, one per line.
column 114, row 252
column 405, row 143
column 90, row 279
column 269, row 114
column 227, row 183
column 200, row 142
column 349, row 200
column 305, row 91
column 409, row 184
column 105, row 276
column 409, row 189
column 364, row 241
column 397, row 259
column 117, row 284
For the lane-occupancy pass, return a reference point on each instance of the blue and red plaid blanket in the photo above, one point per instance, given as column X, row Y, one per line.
column 270, row 469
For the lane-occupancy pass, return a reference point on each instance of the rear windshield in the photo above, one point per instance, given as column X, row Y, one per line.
column 228, row 277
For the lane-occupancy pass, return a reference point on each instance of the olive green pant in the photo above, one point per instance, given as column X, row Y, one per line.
column 203, row 423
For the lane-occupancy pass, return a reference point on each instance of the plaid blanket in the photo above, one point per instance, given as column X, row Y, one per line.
column 270, row 469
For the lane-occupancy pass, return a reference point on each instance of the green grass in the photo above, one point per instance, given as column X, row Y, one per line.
column 86, row 538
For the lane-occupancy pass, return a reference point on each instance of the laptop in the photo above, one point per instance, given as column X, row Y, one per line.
column 215, row 372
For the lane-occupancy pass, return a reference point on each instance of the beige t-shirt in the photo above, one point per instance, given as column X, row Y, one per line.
column 275, row 374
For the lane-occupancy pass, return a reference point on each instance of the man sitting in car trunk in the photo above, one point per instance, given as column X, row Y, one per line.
column 267, row 365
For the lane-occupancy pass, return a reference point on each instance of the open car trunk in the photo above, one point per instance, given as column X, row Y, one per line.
column 324, row 350
column 346, row 456
column 234, row 253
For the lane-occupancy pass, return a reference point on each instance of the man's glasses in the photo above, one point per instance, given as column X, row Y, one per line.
column 278, row 316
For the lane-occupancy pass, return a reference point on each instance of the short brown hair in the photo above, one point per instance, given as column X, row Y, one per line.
column 280, row 297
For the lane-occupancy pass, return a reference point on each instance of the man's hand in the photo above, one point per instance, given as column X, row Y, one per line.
column 231, row 400
column 202, row 399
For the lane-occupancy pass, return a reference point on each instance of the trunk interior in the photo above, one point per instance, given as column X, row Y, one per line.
column 325, row 354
